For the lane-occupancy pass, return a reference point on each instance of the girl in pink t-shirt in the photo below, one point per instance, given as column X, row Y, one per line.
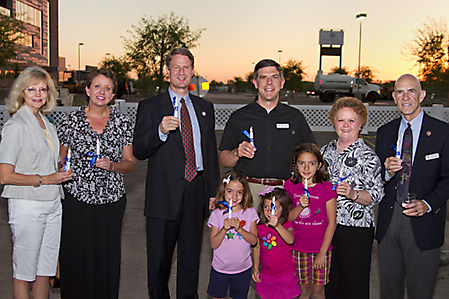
column 233, row 230
column 314, row 217
column 277, row 278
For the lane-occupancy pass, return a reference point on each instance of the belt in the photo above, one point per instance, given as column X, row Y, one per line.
column 268, row 182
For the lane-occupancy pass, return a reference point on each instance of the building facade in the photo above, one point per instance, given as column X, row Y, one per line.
column 40, row 35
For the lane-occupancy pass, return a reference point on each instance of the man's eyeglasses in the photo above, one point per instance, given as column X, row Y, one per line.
column 33, row 91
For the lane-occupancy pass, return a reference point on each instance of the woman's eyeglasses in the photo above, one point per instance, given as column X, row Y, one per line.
column 33, row 91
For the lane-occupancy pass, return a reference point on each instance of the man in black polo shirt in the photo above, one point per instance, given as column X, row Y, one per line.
column 277, row 130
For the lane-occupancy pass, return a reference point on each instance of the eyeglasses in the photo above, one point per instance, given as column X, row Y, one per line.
column 33, row 91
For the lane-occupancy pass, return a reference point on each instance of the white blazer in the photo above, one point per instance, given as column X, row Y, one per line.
column 24, row 146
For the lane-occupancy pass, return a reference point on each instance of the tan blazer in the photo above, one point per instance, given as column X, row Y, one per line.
column 24, row 145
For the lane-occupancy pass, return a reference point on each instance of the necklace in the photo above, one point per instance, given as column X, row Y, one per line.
column 342, row 149
column 338, row 147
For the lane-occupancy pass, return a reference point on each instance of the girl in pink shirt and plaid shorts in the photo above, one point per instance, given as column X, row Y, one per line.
column 314, row 219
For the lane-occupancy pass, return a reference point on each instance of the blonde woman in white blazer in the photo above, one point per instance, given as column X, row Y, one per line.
column 29, row 156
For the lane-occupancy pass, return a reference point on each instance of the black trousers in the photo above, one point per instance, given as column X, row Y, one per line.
column 187, row 232
column 351, row 263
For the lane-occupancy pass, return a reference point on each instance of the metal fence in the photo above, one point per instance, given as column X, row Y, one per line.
column 316, row 115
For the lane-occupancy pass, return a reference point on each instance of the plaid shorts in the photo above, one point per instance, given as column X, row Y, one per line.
column 304, row 264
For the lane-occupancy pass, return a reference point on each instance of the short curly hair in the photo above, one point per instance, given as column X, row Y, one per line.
column 349, row 102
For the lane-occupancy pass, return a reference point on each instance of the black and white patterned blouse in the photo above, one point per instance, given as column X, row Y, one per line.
column 91, row 184
column 363, row 164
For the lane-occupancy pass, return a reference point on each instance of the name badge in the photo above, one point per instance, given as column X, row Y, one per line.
column 432, row 156
column 282, row 126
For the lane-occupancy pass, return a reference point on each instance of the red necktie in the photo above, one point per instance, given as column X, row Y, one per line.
column 406, row 171
column 187, row 141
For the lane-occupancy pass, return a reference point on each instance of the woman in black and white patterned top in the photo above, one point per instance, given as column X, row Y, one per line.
column 360, row 189
column 100, row 142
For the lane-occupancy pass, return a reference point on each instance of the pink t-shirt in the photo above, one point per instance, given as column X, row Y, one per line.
column 311, row 224
column 234, row 254
column 275, row 255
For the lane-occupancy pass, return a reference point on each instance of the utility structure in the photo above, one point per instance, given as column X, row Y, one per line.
column 360, row 16
column 79, row 61
column 331, row 44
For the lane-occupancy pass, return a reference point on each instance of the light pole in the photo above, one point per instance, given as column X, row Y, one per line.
column 279, row 51
column 79, row 61
column 360, row 16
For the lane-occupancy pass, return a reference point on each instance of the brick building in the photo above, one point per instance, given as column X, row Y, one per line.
column 40, row 37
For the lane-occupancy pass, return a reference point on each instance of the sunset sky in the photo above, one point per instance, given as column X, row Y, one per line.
column 241, row 32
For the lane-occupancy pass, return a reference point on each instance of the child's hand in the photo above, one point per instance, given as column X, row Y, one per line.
column 273, row 221
column 256, row 275
column 212, row 203
column 319, row 261
column 235, row 223
column 227, row 224
column 304, row 201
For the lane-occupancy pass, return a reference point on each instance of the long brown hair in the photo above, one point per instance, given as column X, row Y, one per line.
column 321, row 175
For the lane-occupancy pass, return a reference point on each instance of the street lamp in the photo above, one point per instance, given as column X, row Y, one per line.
column 279, row 51
column 79, row 60
column 360, row 16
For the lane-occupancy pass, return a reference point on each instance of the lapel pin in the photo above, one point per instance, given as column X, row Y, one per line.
column 428, row 133
column 203, row 113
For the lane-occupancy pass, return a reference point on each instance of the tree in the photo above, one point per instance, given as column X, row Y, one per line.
column 366, row 73
column 119, row 66
column 338, row 70
column 429, row 49
column 10, row 38
column 249, row 81
column 293, row 73
column 121, row 69
column 213, row 84
column 152, row 39
column 237, row 84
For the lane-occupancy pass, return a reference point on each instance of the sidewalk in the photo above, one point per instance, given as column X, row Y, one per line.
column 133, row 274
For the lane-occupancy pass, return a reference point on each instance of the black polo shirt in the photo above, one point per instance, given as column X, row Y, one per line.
column 276, row 135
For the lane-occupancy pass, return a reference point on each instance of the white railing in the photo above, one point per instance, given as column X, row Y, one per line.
column 316, row 116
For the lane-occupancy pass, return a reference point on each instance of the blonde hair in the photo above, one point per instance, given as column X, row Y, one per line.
column 15, row 99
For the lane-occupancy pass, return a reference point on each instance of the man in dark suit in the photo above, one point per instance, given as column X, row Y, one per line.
column 410, row 238
column 175, row 131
